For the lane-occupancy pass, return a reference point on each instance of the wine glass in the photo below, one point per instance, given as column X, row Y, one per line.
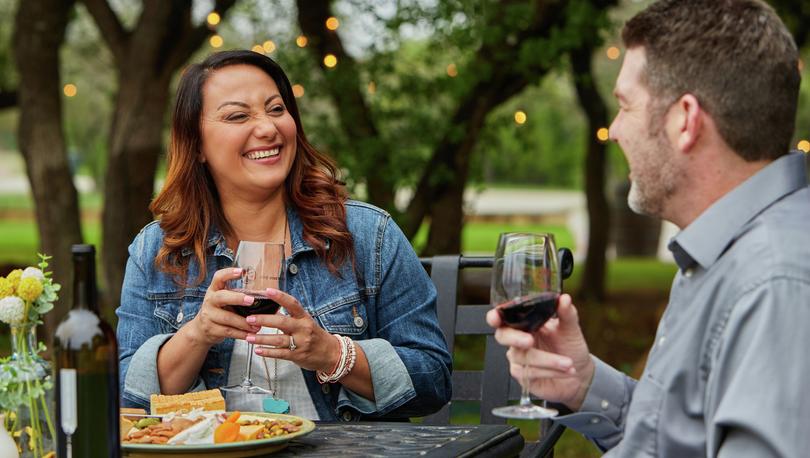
column 262, row 265
column 525, row 287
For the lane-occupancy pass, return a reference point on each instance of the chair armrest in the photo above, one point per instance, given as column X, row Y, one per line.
column 545, row 446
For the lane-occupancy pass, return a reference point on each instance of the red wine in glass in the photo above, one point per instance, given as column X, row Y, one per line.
column 528, row 313
column 262, row 305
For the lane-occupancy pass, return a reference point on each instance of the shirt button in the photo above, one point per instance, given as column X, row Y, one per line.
column 325, row 388
column 293, row 269
column 358, row 321
column 594, row 420
column 605, row 404
column 662, row 340
column 347, row 416
column 688, row 273
column 180, row 317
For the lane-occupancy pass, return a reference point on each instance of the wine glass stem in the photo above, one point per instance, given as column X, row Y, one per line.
column 248, row 366
column 525, row 400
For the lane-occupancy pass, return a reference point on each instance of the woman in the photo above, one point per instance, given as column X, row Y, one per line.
column 240, row 168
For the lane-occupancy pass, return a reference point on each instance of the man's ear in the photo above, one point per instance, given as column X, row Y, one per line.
column 687, row 116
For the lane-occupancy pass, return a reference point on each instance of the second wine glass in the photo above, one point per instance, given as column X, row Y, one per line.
column 525, row 288
column 262, row 265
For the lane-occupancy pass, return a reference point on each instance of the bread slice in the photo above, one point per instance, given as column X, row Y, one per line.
column 209, row 400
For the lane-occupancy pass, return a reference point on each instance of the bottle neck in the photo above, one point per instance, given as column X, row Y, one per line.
column 84, row 283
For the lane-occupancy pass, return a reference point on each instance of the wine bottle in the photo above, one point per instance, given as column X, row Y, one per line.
column 86, row 370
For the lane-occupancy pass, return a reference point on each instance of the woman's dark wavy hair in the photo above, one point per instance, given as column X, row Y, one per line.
column 189, row 204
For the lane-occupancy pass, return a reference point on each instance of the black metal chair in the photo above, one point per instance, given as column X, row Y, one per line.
column 492, row 386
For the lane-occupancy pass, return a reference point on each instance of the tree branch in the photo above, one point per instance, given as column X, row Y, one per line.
column 356, row 118
column 506, row 80
column 195, row 36
column 113, row 32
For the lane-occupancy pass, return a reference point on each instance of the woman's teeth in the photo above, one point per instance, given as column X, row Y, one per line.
column 262, row 154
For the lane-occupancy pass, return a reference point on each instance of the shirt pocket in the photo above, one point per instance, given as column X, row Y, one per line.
column 345, row 316
column 173, row 309
column 641, row 433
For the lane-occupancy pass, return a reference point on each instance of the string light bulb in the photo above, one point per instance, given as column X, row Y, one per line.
column 301, row 41
column 613, row 53
column 332, row 23
column 602, row 134
column 213, row 18
column 804, row 145
column 298, row 90
column 330, row 60
column 452, row 71
column 70, row 90
column 269, row 46
column 520, row 117
column 215, row 41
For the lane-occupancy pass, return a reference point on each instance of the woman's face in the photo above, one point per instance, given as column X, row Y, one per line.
column 248, row 136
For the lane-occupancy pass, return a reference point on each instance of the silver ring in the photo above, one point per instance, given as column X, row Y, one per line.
column 292, row 343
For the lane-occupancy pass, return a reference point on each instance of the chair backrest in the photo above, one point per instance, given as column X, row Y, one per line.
column 492, row 386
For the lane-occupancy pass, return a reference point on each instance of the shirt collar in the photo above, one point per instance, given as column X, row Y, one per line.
column 708, row 237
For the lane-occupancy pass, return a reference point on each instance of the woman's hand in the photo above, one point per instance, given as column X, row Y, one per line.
column 213, row 322
column 559, row 363
column 315, row 348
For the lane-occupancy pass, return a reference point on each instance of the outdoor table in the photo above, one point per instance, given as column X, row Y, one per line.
column 406, row 439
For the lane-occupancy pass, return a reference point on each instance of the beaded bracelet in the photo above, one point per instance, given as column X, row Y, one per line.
column 345, row 364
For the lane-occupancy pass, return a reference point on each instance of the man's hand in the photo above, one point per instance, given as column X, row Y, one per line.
column 559, row 364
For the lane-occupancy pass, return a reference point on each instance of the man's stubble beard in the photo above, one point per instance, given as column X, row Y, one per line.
column 657, row 182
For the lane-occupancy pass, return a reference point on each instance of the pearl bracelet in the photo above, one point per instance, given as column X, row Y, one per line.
column 345, row 364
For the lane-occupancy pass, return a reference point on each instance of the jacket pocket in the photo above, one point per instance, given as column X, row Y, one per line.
column 175, row 308
column 642, row 419
column 345, row 316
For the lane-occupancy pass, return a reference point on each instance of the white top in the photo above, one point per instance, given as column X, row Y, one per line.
column 291, row 384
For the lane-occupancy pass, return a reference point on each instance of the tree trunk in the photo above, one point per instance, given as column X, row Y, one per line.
column 593, row 279
column 39, row 31
column 135, row 147
column 146, row 59
column 8, row 98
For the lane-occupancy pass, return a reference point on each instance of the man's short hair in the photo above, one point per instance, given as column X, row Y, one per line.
column 735, row 56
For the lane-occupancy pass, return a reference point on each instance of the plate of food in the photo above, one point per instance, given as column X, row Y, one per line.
column 191, row 430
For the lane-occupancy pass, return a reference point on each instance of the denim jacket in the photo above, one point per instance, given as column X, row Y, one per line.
column 387, row 305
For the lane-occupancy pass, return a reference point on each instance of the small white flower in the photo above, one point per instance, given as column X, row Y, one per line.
column 33, row 272
column 12, row 310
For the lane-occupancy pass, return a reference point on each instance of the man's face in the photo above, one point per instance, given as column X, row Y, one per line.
column 638, row 128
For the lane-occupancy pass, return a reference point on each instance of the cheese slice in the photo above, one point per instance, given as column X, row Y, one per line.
column 208, row 400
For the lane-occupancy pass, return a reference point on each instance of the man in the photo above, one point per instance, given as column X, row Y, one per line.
column 707, row 102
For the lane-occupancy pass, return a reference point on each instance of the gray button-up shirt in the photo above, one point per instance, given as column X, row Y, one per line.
column 728, row 373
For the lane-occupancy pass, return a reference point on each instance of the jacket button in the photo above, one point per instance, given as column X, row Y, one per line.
column 180, row 317
column 347, row 416
column 325, row 388
column 358, row 321
column 293, row 269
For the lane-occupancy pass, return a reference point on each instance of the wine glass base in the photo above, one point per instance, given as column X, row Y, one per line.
column 245, row 389
column 529, row 412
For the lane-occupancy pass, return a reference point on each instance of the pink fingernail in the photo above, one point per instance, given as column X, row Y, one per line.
column 248, row 300
column 237, row 271
column 251, row 319
column 251, row 338
column 257, row 350
column 271, row 292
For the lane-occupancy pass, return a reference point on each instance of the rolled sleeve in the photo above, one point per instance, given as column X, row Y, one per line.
column 142, row 379
column 390, row 379
column 601, row 417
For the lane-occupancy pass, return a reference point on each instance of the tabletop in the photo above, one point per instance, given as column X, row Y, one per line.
column 373, row 439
